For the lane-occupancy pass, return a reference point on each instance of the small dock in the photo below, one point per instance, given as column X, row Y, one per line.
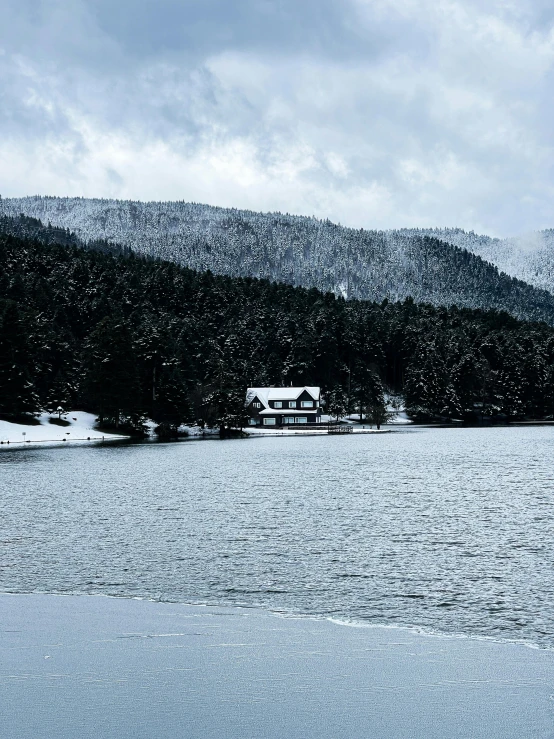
column 332, row 427
column 340, row 429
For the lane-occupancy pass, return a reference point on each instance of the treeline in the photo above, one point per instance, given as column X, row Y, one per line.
column 127, row 337
column 33, row 229
column 299, row 251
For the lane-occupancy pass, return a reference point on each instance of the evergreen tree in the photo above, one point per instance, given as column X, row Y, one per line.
column 367, row 391
column 230, row 411
column 60, row 395
column 171, row 403
column 376, row 412
column 424, row 384
column 111, row 381
column 17, row 391
column 336, row 402
column 510, row 388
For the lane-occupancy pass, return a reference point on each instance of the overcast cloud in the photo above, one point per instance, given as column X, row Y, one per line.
column 374, row 113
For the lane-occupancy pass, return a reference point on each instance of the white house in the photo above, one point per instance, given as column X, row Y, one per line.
column 283, row 406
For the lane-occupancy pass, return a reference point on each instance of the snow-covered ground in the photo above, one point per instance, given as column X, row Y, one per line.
column 401, row 417
column 81, row 428
column 197, row 431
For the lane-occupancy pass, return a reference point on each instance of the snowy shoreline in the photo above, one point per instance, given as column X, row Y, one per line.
column 79, row 427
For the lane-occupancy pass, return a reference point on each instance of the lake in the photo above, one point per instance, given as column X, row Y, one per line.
column 447, row 530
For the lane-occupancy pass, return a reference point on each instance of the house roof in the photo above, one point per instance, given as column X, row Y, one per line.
column 265, row 394
column 287, row 411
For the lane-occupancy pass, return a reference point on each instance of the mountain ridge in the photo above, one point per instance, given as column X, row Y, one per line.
column 298, row 250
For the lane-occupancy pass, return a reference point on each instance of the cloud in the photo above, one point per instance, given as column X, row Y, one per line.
column 374, row 113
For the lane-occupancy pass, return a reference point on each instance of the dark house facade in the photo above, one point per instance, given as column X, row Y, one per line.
column 275, row 407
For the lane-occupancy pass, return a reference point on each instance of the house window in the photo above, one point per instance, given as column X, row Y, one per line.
column 278, row 404
column 252, row 421
column 301, row 419
column 289, row 419
column 292, row 403
column 257, row 405
column 307, row 404
column 269, row 422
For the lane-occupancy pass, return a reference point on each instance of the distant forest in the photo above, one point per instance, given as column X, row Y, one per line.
column 300, row 251
column 130, row 337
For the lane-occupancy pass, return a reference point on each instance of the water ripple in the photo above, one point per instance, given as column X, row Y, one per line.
column 445, row 529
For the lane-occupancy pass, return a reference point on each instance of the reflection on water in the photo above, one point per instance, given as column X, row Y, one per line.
column 449, row 529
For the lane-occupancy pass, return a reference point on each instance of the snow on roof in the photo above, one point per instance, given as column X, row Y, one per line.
column 291, row 393
column 254, row 392
column 287, row 411
column 265, row 394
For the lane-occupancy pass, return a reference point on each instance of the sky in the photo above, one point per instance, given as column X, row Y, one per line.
column 372, row 113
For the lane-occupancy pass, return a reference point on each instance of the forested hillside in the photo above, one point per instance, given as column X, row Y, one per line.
column 32, row 229
column 124, row 336
column 529, row 257
column 299, row 251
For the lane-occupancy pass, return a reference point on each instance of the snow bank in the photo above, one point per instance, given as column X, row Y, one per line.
column 197, row 430
column 81, row 428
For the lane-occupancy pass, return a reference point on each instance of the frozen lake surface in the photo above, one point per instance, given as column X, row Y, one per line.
column 449, row 530
column 84, row 667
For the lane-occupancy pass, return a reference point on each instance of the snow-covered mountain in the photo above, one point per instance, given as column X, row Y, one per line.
column 529, row 257
column 429, row 266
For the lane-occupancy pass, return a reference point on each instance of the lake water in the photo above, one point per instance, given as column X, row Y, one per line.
column 450, row 530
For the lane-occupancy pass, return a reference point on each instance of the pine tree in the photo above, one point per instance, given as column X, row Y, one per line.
column 424, row 386
column 451, row 406
column 111, row 378
column 367, row 391
column 17, row 391
column 336, row 402
column 376, row 411
column 60, row 395
column 510, row 388
column 171, row 404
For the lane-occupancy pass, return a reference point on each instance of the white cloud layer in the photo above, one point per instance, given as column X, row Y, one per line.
column 374, row 113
